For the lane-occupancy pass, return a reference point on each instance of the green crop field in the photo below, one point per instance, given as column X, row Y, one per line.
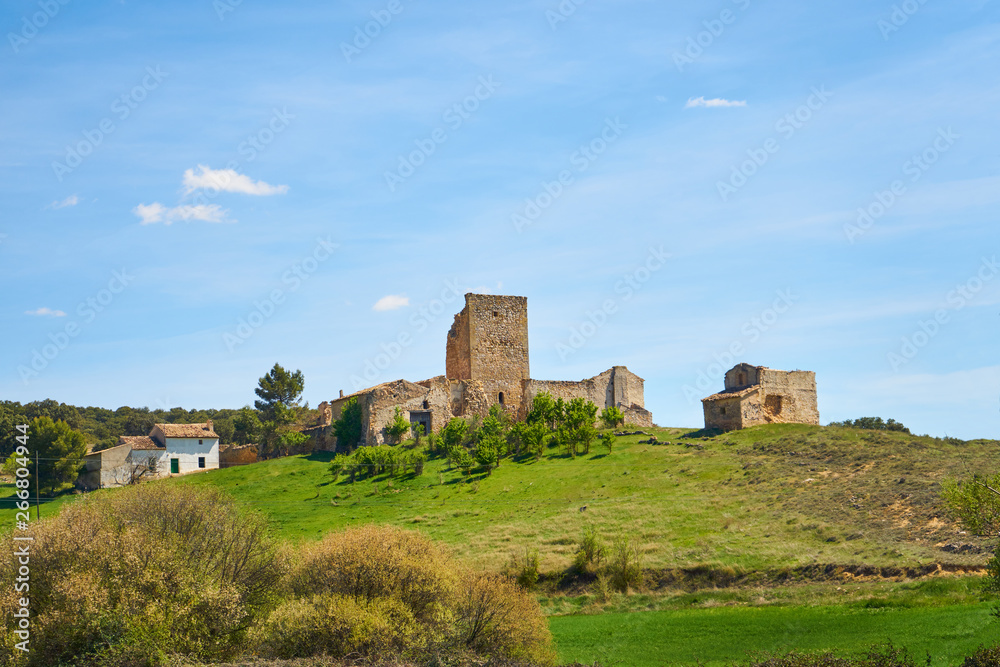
column 723, row 635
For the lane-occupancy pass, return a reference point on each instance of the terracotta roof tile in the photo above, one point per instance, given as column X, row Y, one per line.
column 187, row 431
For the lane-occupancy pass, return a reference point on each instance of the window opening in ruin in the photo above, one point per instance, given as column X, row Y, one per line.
column 743, row 380
column 722, row 410
column 773, row 404
column 496, row 314
column 500, row 398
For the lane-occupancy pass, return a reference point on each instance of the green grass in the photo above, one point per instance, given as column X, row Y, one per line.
column 722, row 635
column 767, row 497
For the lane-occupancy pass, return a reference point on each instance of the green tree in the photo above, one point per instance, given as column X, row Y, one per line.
column 279, row 394
column 576, row 430
column 490, row 450
column 277, row 390
column 246, row 426
column 534, row 438
column 609, row 441
column 60, row 452
column 543, row 410
column 398, row 427
column 612, row 416
column 453, row 434
column 347, row 427
column 225, row 430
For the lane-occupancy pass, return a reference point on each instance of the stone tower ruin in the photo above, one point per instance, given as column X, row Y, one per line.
column 488, row 343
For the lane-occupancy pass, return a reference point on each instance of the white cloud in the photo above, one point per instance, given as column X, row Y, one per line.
column 157, row 212
column 46, row 311
column 391, row 302
column 72, row 200
column 228, row 180
column 716, row 102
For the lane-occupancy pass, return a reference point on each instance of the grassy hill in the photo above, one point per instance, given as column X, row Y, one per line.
column 761, row 499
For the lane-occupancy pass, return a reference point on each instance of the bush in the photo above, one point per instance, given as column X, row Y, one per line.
column 624, row 568
column 523, row 568
column 347, row 429
column 147, row 570
column 591, row 552
column 398, row 427
column 873, row 424
column 336, row 625
column 612, row 416
column 371, row 562
column 498, row 619
column 437, row 605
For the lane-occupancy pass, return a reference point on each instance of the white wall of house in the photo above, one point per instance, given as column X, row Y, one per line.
column 187, row 451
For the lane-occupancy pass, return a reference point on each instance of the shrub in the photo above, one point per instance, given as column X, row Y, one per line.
column 624, row 568
column 609, row 441
column 523, row 568
column 398, row 427
column 592, row 550
column 348, row 427
column 147, row 570
column 433, row 604
column 873, row 424
column 371, row 562
column 612, row 416
column 336, row 625
column 498, row 619
column 453, row 433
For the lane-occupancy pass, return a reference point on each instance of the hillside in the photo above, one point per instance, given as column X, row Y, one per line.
column 765, row 498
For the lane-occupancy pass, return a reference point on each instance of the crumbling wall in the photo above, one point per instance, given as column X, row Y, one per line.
column 789, row 396
column 458, row 360
column 742, row 375
column 617, row 386
column 237, row 455
column 727, row 412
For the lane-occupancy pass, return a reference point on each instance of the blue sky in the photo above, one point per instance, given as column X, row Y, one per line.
column 663, row 181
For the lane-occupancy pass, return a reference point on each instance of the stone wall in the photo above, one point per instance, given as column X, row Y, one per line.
column 237, row 455
column 742, row 375
column 789, row 396
column 617, row 386
column 457, row 358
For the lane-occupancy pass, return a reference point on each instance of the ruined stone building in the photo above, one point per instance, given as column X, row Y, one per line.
column 486, row 363
column 760, row 395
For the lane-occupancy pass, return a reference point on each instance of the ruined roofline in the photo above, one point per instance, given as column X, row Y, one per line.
column 739, row 392
column 613, row 368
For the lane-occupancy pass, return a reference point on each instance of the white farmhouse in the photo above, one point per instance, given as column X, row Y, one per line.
column 169, row 449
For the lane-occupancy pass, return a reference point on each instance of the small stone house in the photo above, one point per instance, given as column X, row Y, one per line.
column 759, row 395
column 169, row 449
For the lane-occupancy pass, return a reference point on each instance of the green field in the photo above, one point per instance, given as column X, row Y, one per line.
column 723, row 635
column 754, row 507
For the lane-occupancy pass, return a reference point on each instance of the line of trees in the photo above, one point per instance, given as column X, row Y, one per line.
column 481, row 444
